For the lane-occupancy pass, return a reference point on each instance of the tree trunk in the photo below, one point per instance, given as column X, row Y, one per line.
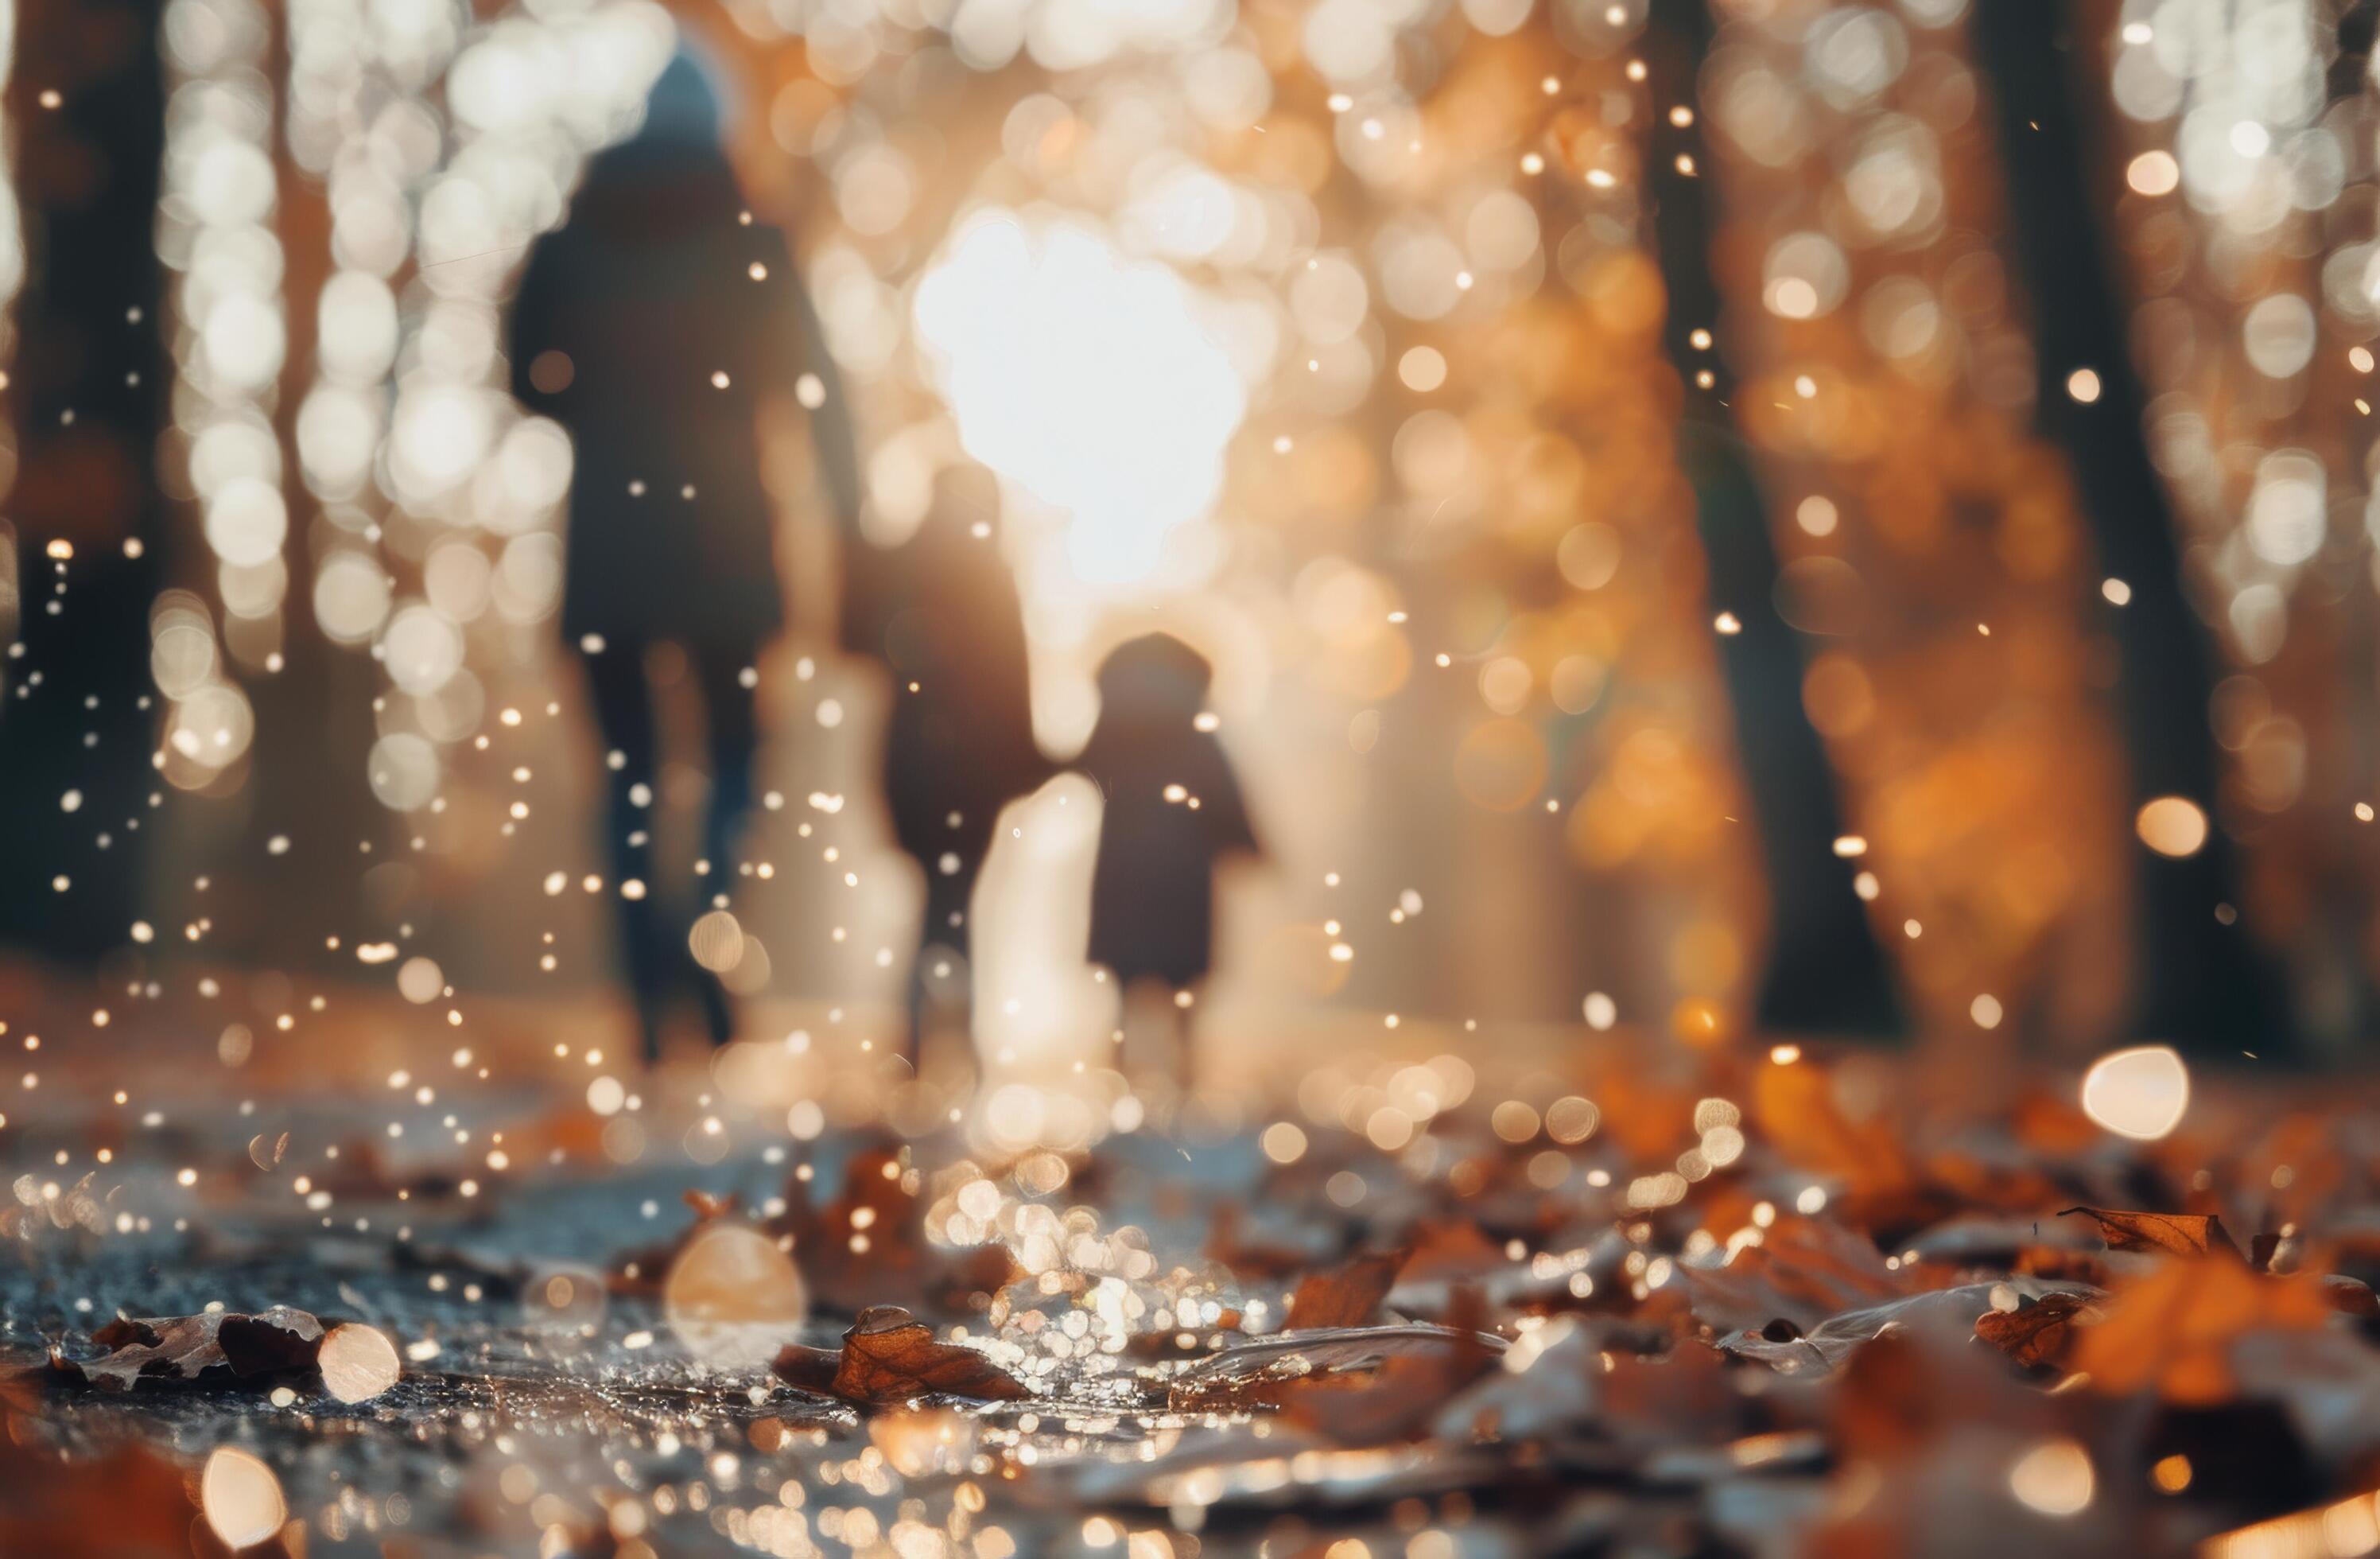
column 2204, row 985
column 1825, row 972
column 87, row 389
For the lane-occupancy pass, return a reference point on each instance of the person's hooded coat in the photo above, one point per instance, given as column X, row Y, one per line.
column 650, row 325
column 1173, row 810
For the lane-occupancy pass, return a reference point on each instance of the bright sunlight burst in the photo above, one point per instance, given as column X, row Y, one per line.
column 1089, row 378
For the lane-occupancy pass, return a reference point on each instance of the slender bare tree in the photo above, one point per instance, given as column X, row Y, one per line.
column 1825, row 973
column 86, row 107
column 2201, row 983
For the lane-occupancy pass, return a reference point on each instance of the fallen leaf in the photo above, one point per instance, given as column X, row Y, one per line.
column 1915, row 1393
column 2038, row 1332
column 1347, row 1295
column 1580, row 1377
column 1400, row 1399
column 2178, row 1233
column 1798, row 1113
column 218, row 1345
column 1949, row 1312
column 1801, row 1273
column 889, row 1358
column 2173, row 1329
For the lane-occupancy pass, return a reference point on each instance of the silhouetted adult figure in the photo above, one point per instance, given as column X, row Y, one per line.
column 654, row 325
column 942, row 612
column 1173, row 810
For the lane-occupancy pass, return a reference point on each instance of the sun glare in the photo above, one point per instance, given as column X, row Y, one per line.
column 1087, row 377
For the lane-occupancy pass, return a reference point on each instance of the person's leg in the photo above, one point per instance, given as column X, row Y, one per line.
column 624, row 720
column 735, row 740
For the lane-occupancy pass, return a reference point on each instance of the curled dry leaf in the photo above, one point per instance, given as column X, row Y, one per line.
column 1802, row 1273
column 1264, row 1372
column 2038, row 1333
column 2177, row 1234
column 1402, row 1398
column 1947, row 1313
column 216, row 1345
column 890, row 1357
column 1347, row 1295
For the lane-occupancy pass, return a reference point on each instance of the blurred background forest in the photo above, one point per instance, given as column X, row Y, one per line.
column 1721, row 518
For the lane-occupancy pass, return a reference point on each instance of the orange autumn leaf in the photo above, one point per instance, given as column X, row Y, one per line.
column 2177, row 1234
column 1796, row 1109
column 2172, row 1329
column 888, row 1357
column 1347, row 1295
column 1803, row 1272
column 2035, row 1333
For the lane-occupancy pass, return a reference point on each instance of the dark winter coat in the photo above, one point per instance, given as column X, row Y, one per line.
column 1153, row 887
column 650, row 325
column 942, row 611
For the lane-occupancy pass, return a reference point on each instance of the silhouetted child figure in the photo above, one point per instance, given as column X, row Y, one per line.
column 942, row 612
column 1174, row 811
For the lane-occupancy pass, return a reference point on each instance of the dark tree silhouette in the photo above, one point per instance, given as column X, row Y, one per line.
column 1826, row 974
column 2202, row 984
column 87, row 392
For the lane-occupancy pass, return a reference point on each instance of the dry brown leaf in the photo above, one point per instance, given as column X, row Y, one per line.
column 1796, row 1111
column 1400, row 1400
column 1803, row 1272
column 2038, row 1332
column 888, row 1357
column 216, row 1345
column 1346, row 1295
column 1907, row 1395
column 2177, row 1234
